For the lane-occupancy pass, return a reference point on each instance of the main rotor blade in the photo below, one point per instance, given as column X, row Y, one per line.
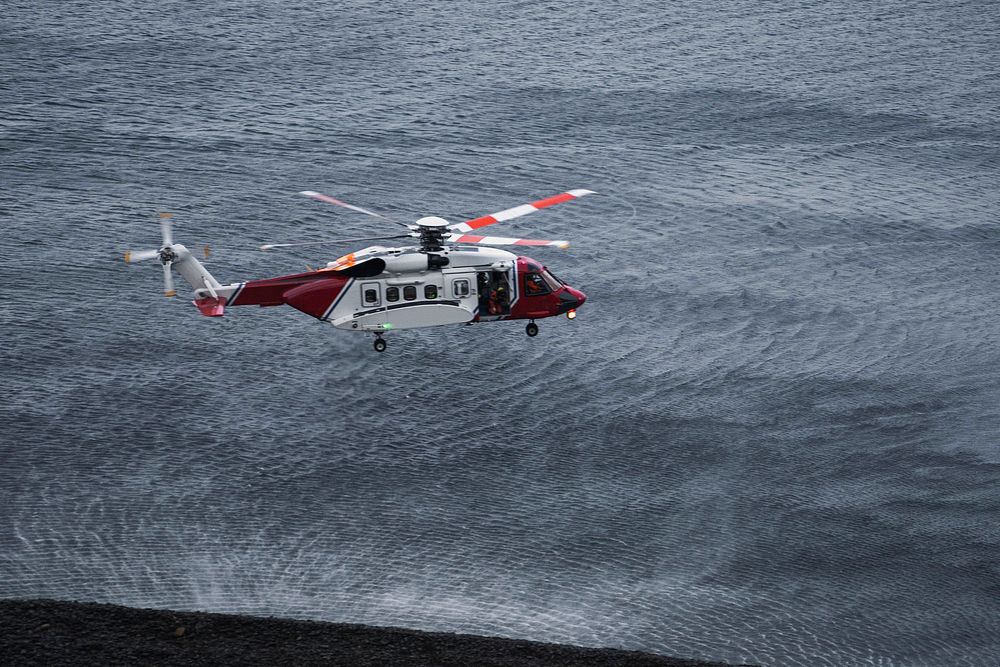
column 270, row 246
column 518, row 211
column 497, row 240
column 140, row 255
column 318, row 196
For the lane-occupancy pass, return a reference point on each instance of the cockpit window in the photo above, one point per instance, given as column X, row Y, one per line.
column 535, row 284
column 550, row 280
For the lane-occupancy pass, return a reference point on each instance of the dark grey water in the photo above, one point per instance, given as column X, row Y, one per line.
column 770, row 436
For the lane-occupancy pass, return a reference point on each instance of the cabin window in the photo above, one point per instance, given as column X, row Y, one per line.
column 535, row 285
column 409, row 292
column 460, row 287
column 430, row 291
column 370, row 294
column 392, row 294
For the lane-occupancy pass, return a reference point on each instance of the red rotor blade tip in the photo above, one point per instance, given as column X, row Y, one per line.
column 518, row 211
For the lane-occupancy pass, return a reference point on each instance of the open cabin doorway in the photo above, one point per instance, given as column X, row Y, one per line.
column 494, row 293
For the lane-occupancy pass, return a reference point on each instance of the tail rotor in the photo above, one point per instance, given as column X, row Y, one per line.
column 169, row 254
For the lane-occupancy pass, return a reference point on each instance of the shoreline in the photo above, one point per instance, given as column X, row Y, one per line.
column 53, row 632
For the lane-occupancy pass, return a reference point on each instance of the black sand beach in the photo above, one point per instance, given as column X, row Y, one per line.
column 48, row 632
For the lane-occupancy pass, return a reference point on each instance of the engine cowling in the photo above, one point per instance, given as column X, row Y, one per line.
column 414, row 261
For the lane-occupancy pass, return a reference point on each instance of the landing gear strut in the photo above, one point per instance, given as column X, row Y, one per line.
column 379, row 343
column 531, row 329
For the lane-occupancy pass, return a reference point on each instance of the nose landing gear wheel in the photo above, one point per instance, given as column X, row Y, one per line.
column 531, row 329
column 379, row 344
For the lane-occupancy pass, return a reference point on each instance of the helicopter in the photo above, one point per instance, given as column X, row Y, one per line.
column 450, row 277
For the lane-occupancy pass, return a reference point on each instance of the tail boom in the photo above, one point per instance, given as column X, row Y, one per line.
column 313, row 293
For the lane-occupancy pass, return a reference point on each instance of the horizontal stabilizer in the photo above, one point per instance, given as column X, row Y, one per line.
column 211, row 306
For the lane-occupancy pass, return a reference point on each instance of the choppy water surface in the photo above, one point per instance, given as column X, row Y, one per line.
column 770, row 436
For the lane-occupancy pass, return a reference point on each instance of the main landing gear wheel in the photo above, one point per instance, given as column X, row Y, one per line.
column 379, row 344
column 531, row 329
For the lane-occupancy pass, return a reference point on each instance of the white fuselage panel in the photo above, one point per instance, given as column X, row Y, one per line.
column 411, row 298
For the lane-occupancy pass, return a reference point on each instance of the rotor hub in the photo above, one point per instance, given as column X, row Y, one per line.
column 167, row 255
column 432, row 231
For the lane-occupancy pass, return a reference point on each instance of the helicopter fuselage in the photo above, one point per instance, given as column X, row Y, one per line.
column 381, row 289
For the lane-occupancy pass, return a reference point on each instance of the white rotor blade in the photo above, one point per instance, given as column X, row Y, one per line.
column 165, row 224
column 498, row 240
column 318, row 196
column 269, row 246
column 168, row 281
column 140, row 255
column 518, row 211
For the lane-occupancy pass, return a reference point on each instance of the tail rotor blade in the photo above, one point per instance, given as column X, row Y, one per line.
column 140, row 256
column 165, row 229
column 168, row 280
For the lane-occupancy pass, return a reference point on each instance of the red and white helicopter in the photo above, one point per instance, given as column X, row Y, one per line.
column 452, row 277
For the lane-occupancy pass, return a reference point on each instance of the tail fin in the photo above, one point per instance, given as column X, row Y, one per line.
column 193, row 271
column 210, row 295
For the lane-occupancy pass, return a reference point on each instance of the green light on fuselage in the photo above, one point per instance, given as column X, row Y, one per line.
column 386, row 326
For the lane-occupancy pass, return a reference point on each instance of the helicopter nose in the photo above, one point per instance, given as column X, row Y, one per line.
column 571, row 299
